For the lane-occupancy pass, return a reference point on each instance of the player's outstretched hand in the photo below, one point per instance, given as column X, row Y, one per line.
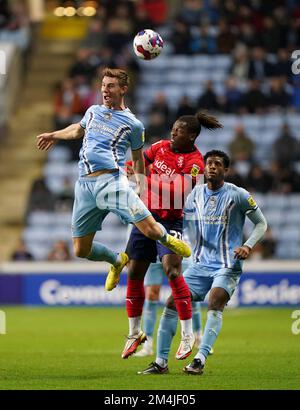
column 46, row 141
column 242, row 252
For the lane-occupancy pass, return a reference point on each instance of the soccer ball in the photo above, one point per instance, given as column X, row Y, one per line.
column 147, row 44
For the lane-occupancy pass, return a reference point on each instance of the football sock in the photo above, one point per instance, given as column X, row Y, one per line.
column 134, row 325
column 186, row 327
column 182, row 297
column 196, row 316
column 161, row 362
column 166, row 331
column 149, row 316
column 164, row 233
column 211, row 331
column 100, row 252
column 135, row 296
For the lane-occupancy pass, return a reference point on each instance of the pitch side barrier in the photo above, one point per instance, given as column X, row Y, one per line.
column 264, row 283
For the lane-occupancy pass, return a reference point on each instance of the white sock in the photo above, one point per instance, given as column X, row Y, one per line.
column 186, row 327
column 201, row 357
column 161, row 362
column 134, row 325
column 149, row 342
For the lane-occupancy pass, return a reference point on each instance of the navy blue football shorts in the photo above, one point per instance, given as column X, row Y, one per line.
column 139, row 247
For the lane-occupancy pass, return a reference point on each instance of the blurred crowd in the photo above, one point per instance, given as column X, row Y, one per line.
column 258, row 35
column 14, row 24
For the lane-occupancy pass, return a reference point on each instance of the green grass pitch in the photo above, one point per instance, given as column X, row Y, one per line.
column 80, row 348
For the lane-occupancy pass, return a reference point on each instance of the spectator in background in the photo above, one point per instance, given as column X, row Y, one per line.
column 225, row 38
column 259, row 67
column 278, row 99
column 60, row 252
column 248, row 35
column 68, row 106
column 258, row 180
column 234, row 177
column 160, row 105
column 208, row 99
column 185, row 107
column 232, row 97
column 253, row 101
column 241, row 150
column 203, row 40
column 157, row 11
column 21, row 253
column 156, row 129
column 95, row 39
column 241, row 63
column 282, row 68
column 181, row 37
column 271, row 35
column 40, row 198
column 191, row 12
column 286, row 148
column 82, row 66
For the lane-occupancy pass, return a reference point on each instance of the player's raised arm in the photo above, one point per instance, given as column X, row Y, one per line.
column 46, row 140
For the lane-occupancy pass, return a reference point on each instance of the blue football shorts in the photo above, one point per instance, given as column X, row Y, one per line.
column 201, row 279
column 95, row 197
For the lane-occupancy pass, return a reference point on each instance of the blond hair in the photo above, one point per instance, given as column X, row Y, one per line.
column 118, row 73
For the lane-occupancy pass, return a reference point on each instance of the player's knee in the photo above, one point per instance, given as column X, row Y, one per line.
column 81, row 252
column 170, row 304
column 153, row 294
column 172, row 272
column 215, row 304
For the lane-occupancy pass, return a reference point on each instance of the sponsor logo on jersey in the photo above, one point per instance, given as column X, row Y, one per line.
column 164, row 168
column 195, row 170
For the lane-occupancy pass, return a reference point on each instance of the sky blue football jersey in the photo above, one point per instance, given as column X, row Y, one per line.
column 214, row 222
column 108, row 135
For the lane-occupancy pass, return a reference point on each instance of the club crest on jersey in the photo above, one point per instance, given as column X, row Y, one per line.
column 180, row 162
column 195, row 170
column 107, row 116
column 212, row 203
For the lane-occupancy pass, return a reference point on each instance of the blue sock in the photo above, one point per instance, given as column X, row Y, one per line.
column 100, row 252
column 149, row 316
column 211, row 331
column 196, row 316
column 166, row 331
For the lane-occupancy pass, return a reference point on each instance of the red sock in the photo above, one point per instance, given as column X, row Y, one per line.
column 182, row 297
column 135, row 297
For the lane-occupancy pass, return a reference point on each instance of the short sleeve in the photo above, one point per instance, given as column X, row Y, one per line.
column 246, row 201
column 137, row 136
column 87, row 117
column 150, row 153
